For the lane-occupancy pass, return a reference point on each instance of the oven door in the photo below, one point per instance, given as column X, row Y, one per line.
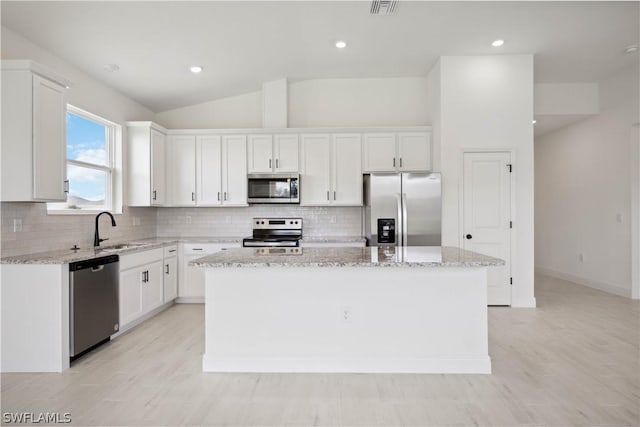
column 273, row 188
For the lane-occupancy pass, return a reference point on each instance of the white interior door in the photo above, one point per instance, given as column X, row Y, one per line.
column 487, row 216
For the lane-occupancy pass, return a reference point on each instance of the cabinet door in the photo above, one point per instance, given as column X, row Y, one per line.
column 208, row 170
column 380, row 152
column 130, row 295
column 152, row 287
column 414, row 151
column 170, row 279
column 182, row 170
column 315, row 181
column 49, row 140
column 260, row 153
column 158, row 192
column 234, row 170
column 192, row 284
column 347, row 170
column 286, row 153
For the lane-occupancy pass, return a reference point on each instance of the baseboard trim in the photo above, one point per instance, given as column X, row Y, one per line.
column 594, row 284
column 435, row 365
column 190, row 300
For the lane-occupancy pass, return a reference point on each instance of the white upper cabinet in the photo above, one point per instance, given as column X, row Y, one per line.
column 33, row 133
column 414, row 151
column 272, row 153
column 315, row 179
column 234, row 170
column 347, row 170
column 286, row 153
column 401, row 152
column 380, row 152
column 181, row 170
column 146, row 167
column 331, row 170
column 260, row 153
column 208, row 170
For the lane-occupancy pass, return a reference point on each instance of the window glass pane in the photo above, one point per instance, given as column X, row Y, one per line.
column 87, row 187
column 86, row 140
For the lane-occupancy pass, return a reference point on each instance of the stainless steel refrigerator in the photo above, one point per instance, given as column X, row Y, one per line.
column 403, row 209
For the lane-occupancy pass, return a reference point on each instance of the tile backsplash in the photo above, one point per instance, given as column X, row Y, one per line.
column 42, row 232
column 236, row 222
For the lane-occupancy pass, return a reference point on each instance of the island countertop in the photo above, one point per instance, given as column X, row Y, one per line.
column 410, row 256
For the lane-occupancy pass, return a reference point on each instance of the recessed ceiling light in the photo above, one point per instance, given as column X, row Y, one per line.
column 534, row 121
column 195, row 69
column 631, row 49
column 340, row 44
column 111, row 68
column 497, row 43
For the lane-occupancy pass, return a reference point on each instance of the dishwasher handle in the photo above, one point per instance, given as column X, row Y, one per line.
column 93, row 263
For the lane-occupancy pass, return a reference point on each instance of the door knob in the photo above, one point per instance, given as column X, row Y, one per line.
column 468, row 236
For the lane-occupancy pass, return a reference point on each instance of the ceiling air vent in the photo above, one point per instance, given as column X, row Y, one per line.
column 383, row 7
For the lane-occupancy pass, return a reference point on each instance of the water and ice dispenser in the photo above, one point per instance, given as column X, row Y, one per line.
column 386, row 231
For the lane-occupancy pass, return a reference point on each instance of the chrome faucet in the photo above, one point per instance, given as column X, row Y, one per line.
column 96, row 236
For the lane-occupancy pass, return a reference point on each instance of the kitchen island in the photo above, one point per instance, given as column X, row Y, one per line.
column 411, row 309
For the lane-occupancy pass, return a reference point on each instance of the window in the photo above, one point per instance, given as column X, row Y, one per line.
column 92, row 166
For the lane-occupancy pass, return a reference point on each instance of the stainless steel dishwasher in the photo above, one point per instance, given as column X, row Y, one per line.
column 94, row 302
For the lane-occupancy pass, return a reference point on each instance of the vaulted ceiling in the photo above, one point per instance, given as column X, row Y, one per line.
column 241, row 44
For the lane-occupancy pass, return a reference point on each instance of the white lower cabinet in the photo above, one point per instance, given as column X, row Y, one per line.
column 191, row 279
column 141, row 284
column 170, row 271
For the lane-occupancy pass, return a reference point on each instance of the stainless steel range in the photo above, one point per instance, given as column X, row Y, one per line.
column 274, row 232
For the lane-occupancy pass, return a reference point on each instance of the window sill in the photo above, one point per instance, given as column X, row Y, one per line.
column 80, row 212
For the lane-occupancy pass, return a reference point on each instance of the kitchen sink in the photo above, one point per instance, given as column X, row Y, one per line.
column 122, row 246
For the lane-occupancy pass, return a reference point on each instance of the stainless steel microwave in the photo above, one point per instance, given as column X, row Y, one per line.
column 273, row 188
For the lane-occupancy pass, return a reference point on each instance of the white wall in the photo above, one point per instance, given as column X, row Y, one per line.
column 487, row 102
column 41, row 231
column 583, row 192
column 359, row 102
column 235, row 112
column 317, row 103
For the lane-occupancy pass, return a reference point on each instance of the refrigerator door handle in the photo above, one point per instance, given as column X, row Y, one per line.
column 399, row 223
column 405, row 225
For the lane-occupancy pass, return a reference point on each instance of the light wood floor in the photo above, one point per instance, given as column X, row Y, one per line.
column 572, row 361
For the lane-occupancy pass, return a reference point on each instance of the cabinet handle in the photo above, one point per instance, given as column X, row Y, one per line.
column 66, row 186
column 145, row 276
column 328, row 196
column 193, row 196
column 334, row 195
column 167, row 270
column 400, row 161
column 218, row 196
column 196, row 249
column 277, row 164
column 154, row 194
column 225, row 195
column 394, row 162
column 172, row 250
column 269, row 163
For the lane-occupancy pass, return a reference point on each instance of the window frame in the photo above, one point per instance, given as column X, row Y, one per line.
column 112, row 169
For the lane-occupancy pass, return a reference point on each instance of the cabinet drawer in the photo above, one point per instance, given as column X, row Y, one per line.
column 140, row 258
column 207, row 248
column 170, row 251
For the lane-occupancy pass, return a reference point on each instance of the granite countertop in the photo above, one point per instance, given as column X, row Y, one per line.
column 65, row 256
column 412, row 256
column 333, row 239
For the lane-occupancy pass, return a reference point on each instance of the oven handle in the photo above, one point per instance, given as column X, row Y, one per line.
column 288, row 244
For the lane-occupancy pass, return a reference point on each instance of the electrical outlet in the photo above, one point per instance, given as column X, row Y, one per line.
column 17, row 225
column 581, row 257
column 333, row 219
column 228, row 219
column 346, row 314
column 135, row 221
column 187, row 219
column 619, row 218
